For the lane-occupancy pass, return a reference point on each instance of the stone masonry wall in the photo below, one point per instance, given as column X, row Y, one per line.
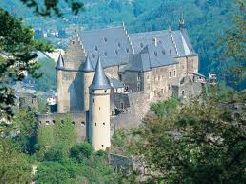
column 78, row 120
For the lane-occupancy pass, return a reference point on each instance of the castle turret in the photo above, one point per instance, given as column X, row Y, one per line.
column 88, row 73
column 100, row 109
column 59, row 73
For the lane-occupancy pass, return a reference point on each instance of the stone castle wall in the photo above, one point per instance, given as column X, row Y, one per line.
column 79, row 120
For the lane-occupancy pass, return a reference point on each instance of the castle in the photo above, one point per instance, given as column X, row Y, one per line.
column 108, row 78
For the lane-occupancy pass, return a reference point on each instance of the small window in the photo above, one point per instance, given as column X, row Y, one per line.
column 96, row 48
column 105, row 39
column 95, row 124
column 82, row 123
column 139, row 77
column 99, row 108
column 127, row 50
column 105, row 91
column 155, row 53
column 183, row 92
column 116, row 52
column 174, row 73
column 93, row 100
column 163, row 52
column 169, row 87
column 105, row 53
column 138, row 87
column 102, row 146
column 122, row 105
column 119, row 44
column 170, row 51
column 170, row 74
column 103, row 123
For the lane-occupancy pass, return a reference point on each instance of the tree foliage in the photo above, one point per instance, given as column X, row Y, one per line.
column 17, row 53
column 15, row 166
column 26, row 125
column 51, row 7
column 202, row 142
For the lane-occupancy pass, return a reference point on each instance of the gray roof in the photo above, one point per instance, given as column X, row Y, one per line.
column 115, row 83
column 100, row 80
column 150, row 57
column 111, row 44
column 60, row 62
column 87, row 66
column 176, row 43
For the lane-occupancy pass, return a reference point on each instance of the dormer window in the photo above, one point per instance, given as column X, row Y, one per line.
column 105, row 39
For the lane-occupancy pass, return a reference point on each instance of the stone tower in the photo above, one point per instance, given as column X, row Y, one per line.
column 59, row 73
column 100, row 109
column 88, row 73
column 70, row 98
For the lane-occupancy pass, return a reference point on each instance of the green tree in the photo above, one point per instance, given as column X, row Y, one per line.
column 14, row 165
column 51, row 7
column 18, row 49
column 26, row 127
column 203, row 142
column 81, row 151
column 163, row 108
column 54, row 172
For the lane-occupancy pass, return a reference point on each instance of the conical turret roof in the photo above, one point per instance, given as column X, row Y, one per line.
column 87, row 67
column 100, row 80
column 60, row 62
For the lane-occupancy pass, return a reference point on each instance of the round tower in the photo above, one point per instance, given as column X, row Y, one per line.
column 100, row 109
column 59, row 73
column 88, row 74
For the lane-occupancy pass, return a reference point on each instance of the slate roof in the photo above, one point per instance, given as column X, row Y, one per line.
column 87, row 66
column 176, row 43
column 111, row 44
column 60, row 62
column 150, row 57
column 100, row 80
column 115, row 83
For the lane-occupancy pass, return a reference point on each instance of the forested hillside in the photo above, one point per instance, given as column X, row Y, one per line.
column 206, row 20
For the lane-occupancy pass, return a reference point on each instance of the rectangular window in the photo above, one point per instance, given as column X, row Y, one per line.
column 139, row 77
column 174, row 73
column 170, row 74
column 138, row 87
column 169, row 87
